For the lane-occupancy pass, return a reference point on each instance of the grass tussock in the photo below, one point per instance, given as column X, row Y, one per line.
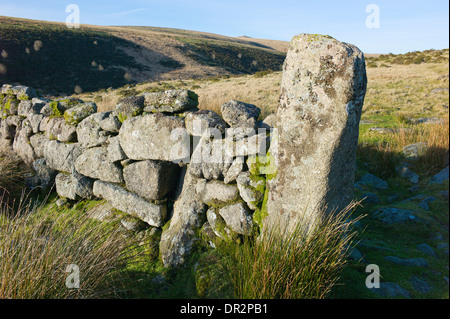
column 12, row 179
column 38, row 253
column 294, row 264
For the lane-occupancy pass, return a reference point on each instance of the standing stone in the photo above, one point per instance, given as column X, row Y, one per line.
column 322, row 93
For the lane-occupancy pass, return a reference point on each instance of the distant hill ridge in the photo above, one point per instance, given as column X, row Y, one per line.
column 59, row 60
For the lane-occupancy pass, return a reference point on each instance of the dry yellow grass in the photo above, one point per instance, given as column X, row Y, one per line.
column 404, row 90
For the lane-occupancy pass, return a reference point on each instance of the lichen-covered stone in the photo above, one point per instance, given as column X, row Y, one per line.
column 155, row 137
column 236, row 112
column 115, row 151
column 210, row 160
column 198, row 122
column 251, row 189
column 22, row 145
column 152, row 180
column 89, row 131
column 111, row 123
column 76, row 114
column 61, row 156
column 56, row 128
column 130, row 203
column 38, row 142
column 74, row 186
column 129, row 107
column 94, row 163
column 237, row 218
column 322, row 93
column 170, row 101
column 10, row 105
column 23, row 92
column 216, row 193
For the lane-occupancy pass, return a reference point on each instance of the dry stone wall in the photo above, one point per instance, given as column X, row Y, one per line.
column 195, row 175
column 155, row 157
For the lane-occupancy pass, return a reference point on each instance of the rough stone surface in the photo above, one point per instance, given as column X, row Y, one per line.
column 236, row 112
column 198, row 122
column 111, row 123
column 61, row 156
column 322, row 94
column 413, row 151
column 129, row 107
column 115, row 151
column 216, row 193
column 149, row 137
column 56, row 128
column 234, row 170
column 94, row 163
column 391, row 215
column 238, row 218
column 251, row 189
column 78, row 113
column 179, row 238
column 22, row 145
column 210, row 160
column 408, row 174
column 45, row 176
column 152, row 180
column 218, row 225
column 89, row 131
column 74, row 186
column 170, row 101
column 125, row 201
column 440, row 177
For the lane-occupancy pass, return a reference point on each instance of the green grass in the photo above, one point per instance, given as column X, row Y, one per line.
column 39, row 242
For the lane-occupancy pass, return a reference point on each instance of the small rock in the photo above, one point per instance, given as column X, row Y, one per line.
column 420, row 285
column 374, row 181
column 413, row 262
column 170, row 101
column 61, row 202
column 198, row 122
column 426, row 249
column 237, row 218
column 130, row 106
column 235, row 112
column 440, row 177
column 408, row 174
column 391, row 215
column 413, row 151
column 390, row 289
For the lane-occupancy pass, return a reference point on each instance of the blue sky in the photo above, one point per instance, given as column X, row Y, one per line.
column 404, row 25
